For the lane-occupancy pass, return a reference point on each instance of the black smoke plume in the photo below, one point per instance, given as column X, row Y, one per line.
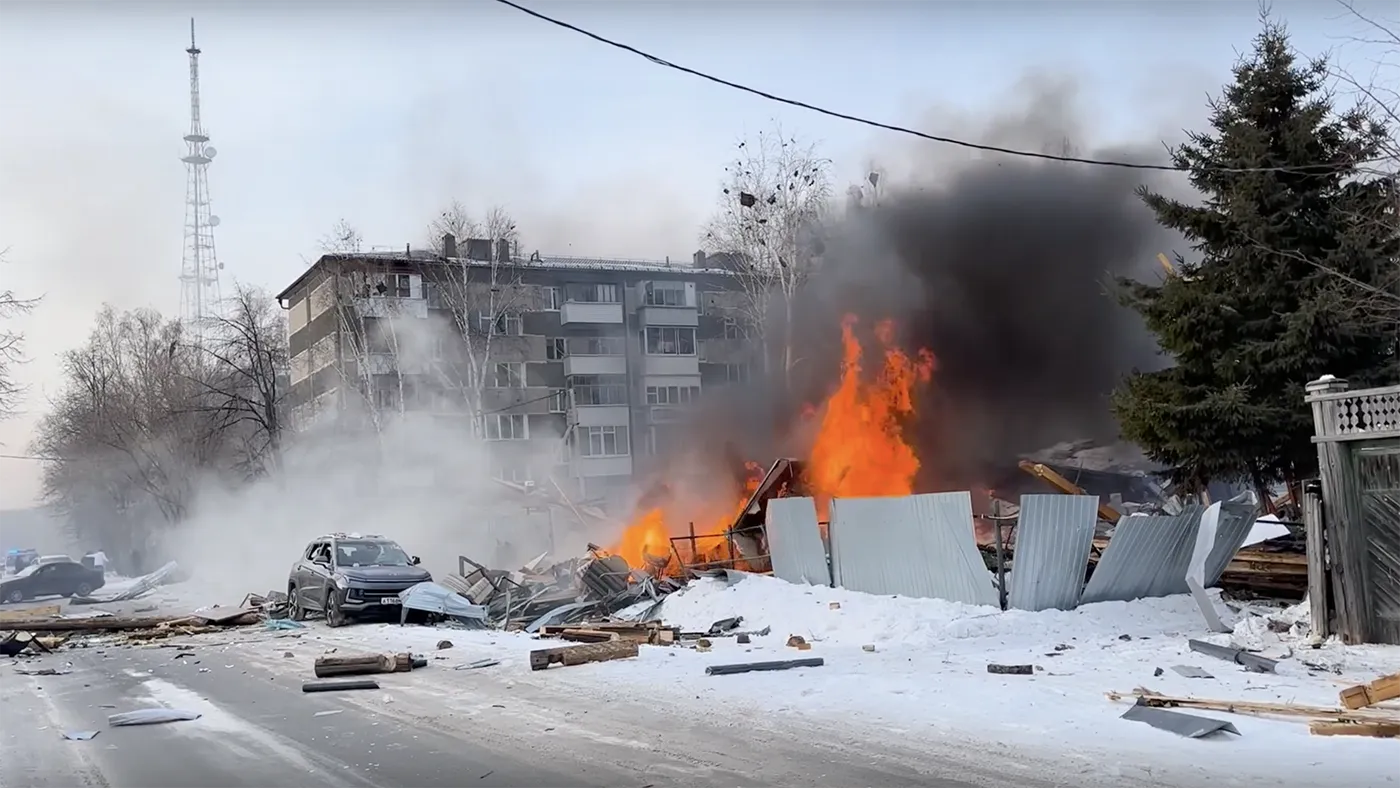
column 1005, row 271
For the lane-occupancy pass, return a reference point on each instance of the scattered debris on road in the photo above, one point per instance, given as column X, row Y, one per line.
column 1325, row 721
column 362, row 664
column 477, row 665
column 339, row 685
column 1369, row 694
column 138, row 588
column 1191, row 726
column 154, row 716
column 749, row 667
column 583, row 654
column 1011, row 670
column 80, row 735
column 1251, row 662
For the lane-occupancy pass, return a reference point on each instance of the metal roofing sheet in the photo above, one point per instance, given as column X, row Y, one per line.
column 1236, row 521
column 795, row 542
column 1147, row 557
column 1054, row 534
column 917, row 545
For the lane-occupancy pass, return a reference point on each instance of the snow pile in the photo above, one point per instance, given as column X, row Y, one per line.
column 852, row 618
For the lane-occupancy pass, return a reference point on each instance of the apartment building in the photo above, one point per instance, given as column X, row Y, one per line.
column 586, row 362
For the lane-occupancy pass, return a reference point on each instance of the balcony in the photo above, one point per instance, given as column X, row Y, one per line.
column 590, row 312
column 595, row 365
column 601, row 466
column 601, row 416
column 687, row 316
column 392, row 307
column 671, row 365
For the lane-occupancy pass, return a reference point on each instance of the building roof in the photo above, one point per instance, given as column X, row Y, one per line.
column 534, row 262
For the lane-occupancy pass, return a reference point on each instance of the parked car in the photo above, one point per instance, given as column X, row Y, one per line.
column 57, row 578
column 346, row 576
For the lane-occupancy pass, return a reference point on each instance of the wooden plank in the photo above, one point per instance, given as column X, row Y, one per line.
column 1369, row 694
column 96, row 624
column 1343, row 524
column 589, row 636
column 1372, row 729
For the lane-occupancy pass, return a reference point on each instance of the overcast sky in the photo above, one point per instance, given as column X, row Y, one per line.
column 381, row 113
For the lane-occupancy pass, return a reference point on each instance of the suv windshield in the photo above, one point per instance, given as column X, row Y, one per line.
column 351, row 552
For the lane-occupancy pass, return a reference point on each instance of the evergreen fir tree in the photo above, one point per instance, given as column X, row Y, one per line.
column 1269, row 304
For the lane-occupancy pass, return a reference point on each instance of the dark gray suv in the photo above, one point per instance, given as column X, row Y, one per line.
column 344, row 576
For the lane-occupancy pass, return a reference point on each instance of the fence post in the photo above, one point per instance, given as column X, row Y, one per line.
column 1343, row 547
column 1319, row 594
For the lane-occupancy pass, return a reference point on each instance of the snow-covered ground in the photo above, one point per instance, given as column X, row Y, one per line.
column 926, row 680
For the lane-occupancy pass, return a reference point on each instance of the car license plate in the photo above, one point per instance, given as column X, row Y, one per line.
column 390, row 600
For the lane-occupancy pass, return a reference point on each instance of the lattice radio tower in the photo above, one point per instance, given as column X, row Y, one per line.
column 199, row 271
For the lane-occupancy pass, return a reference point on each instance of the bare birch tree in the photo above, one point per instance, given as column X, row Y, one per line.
column 343, row 238
column 246, row 385
column 455, row 220
column 486, row 300
column 776, row 194
column 10, row 346
column 129, row 432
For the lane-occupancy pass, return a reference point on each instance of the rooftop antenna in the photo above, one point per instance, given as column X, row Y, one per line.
column 199, row 269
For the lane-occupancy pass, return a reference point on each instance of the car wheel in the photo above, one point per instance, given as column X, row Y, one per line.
column 83, row 589
column 295, row 610
column 334, row 617
column 14, row 597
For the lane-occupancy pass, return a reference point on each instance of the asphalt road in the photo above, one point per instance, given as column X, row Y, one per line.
column 258, row 729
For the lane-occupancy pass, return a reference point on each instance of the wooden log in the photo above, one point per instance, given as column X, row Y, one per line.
column 97, row 624
column 1011, row 670
column 1369, row 694
column 583, row 654
column 354, row 665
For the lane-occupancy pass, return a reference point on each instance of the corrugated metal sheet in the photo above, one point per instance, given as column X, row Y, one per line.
column 917, row 545
column 795, row 542
column 1236, row 521
column 1146, row 557
column 1054, row 534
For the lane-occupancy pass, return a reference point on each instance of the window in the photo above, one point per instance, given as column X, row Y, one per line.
column 432, row 291
column 556, row 348
column 668, row 341
column 395, row 286
column 672, row 395
column 505, row 324
column 599, row 389
column 732, row 329
column 552, row 298
column 665, row 294
column 666, row 415
column 593, row 293
column 602, row 442
column 736, row 373
column 505, row 427
column 596, row 346
column 438, row 349
column 386, row 398
column 507, row 375
column 558, row 400
column 514, row 472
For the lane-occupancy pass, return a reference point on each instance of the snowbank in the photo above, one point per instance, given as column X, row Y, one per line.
column 926, row 681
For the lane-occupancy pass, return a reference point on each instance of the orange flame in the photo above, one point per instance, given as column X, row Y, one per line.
column 858, row 450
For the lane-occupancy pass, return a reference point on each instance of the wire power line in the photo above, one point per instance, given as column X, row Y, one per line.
column 1128, row 165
